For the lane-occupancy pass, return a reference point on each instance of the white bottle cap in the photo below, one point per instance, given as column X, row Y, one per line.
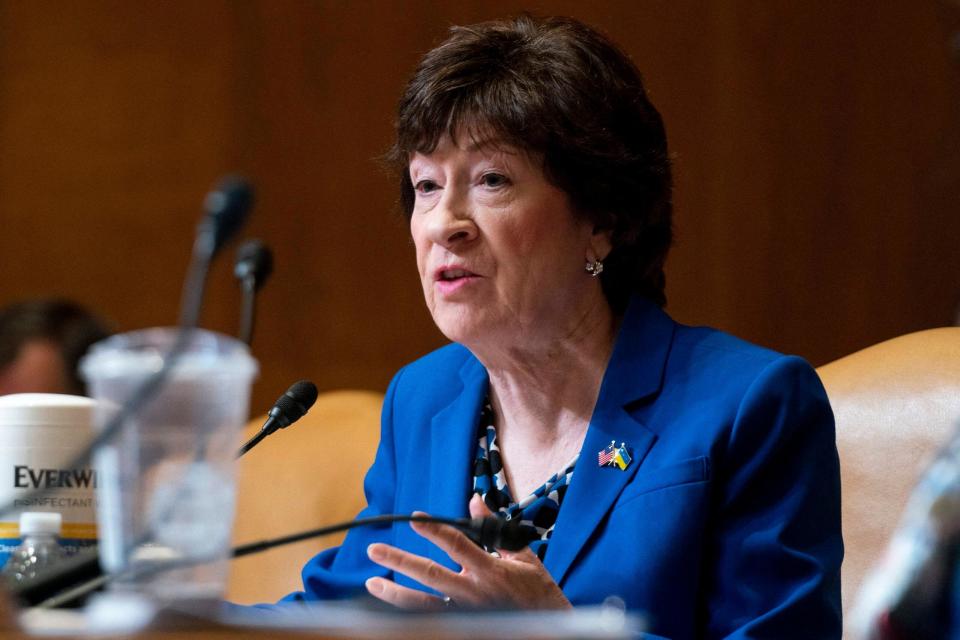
column 34, row 522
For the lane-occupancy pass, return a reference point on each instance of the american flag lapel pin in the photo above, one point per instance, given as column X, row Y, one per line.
column 606, row 455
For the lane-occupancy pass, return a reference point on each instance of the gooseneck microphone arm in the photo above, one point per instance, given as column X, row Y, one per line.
column 490, row 532
column 226, row 209
column 253, row 266
column 252, row 442
column 248, row 311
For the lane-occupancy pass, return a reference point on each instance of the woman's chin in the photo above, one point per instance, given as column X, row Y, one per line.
column 457, row 332
column 460, row 324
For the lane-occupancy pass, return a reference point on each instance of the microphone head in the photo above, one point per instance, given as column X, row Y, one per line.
column 226, row 209
column 494, row 532
column 254, row 261
column 294, row 403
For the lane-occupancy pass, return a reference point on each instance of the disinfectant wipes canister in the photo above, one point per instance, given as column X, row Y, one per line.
column 40, row 435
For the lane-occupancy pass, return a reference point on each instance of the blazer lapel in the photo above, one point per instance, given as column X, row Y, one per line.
column 453, row 436
column 634, row 372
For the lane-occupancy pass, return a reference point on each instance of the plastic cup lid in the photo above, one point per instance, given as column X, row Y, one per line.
column 140, row 353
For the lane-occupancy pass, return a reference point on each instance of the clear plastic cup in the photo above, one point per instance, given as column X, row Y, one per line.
column 166, row 482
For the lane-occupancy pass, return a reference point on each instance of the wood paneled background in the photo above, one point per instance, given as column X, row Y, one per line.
column 817, row 151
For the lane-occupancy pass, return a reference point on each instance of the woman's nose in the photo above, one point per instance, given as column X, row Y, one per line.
column 452, row 223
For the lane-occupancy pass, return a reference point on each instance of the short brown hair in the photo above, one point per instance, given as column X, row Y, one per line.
column 563, row 91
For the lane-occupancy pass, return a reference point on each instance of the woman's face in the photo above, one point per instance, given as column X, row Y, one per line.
column 500, row 252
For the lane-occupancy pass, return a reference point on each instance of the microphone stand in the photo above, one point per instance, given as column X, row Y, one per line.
column 248, row 309
column 252, row 442
column 253, row 266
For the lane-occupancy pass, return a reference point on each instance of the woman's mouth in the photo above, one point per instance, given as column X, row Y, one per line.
column 449, row 280
column 454, row 274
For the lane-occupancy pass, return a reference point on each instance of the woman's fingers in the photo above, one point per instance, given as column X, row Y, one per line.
column 478, row 508
column 515, row 578
column 423, row 570
column 525, row 555
column 403, row 597
column 456, row 544
column 518, row 579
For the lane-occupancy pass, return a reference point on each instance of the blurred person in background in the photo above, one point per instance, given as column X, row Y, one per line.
column 41, row 342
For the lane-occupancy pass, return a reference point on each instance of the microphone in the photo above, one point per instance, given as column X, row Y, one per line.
column 225, row 210
column 290, row 407
column 253, row 266
column 490, row 532
column 254, row 263
column 494, row 532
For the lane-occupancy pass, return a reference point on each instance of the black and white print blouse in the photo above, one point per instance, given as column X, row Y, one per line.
column 538, row 511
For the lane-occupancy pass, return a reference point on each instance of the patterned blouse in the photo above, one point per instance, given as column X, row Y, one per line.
column 538, row 511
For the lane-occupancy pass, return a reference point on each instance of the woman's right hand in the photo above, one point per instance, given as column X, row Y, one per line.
column 515, row 579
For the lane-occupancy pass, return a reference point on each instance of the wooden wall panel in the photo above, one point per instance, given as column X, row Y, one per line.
column 816, row 155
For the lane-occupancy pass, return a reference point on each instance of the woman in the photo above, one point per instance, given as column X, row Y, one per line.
column 691, row 474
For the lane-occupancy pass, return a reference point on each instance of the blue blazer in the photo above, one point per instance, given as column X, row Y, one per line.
column 725, row 525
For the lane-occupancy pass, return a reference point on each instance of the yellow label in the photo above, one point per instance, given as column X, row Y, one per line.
column 72, row 530
column 79, row 530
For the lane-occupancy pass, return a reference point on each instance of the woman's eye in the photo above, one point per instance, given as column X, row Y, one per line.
column 494, row 180
column 425, row 186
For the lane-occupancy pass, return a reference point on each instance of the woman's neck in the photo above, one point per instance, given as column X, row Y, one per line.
column 548, row 384
column 543, row 393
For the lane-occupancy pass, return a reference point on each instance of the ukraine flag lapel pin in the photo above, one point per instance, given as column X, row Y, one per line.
column 622, row 458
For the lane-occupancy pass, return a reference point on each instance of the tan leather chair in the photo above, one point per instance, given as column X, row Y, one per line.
column 303, row 477
column 895, row 403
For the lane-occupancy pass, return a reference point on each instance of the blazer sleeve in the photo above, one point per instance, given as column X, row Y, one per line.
column 779, row 545
column 340, row 572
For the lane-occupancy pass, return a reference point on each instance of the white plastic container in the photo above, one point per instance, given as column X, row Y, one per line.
column 39, row 434
column 167, row 482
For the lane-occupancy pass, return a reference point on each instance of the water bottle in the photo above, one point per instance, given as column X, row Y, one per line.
column 39, row 546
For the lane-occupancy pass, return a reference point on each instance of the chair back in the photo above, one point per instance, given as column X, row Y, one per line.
column 895, row 404
column 303, row 477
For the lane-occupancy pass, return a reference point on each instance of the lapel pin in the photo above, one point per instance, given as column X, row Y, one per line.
column 614, row 456
column 605, row 457
column 622, row 458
